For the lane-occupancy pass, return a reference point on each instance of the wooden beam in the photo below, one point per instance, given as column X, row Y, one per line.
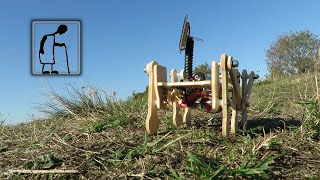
column 185, row 83
column 191, row 84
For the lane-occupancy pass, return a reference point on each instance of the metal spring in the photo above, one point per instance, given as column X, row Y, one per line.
column 188, row 58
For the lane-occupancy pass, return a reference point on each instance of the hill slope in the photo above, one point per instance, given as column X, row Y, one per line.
column 102, row 137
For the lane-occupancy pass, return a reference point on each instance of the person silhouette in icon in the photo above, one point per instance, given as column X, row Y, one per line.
column 61, row 30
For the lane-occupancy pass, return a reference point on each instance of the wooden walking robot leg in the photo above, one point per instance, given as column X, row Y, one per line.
column 152, row 121
column 247, row 83
column 187, row 117
column 235, row 103
column 229, row 82
column 224, row 89
column 244, row 115
column 177, row 118
column 236, row 96
column 155, row 95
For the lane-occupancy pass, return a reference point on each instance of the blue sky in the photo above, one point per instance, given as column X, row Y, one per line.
column 120, row 37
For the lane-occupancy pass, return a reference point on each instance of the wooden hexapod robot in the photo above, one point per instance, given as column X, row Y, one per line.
column 195, row 90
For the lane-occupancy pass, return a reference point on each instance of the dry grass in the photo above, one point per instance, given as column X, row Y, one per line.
column 103, row 137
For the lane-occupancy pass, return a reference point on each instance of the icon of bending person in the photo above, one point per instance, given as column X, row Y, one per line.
column 61, row 30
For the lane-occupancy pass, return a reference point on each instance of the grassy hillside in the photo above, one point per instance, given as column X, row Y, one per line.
column 103, row 137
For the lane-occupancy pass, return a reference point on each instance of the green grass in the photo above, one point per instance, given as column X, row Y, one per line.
column 104, row 137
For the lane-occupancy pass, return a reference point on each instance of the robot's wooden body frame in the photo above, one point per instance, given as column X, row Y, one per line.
column 225, row 93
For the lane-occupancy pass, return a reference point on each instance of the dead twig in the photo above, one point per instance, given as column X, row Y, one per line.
column 62, row 141
column 51, row 171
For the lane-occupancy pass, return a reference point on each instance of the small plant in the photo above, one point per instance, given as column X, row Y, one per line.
column 109, row 122
column 48, row 161
column 204, row 170
column 262, row 82
column 200, row 168
column 130, row 153
column 256, row 169
column 312, row 112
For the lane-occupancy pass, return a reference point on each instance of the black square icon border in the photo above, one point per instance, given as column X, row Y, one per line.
column 46, row 21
